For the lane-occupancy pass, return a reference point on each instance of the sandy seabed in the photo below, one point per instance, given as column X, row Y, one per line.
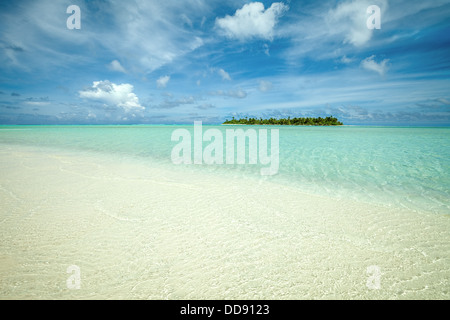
column 143, row 231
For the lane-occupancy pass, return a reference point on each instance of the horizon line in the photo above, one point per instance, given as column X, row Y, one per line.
column 222, row 124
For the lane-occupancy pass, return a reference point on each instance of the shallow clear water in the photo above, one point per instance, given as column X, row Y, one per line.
column 407, row 167
column 110, row 201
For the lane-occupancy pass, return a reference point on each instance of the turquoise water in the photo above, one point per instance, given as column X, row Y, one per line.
column 405, row 167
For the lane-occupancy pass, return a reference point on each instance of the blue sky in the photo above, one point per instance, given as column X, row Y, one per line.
column 172, row 61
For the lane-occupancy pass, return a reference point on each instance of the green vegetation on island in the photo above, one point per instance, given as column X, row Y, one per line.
column 328, row 121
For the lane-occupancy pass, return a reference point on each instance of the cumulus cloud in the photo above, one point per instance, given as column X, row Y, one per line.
column 252, row 21
column 116, row 66
column 118, row 95
column 370, row 64
column 162, row 82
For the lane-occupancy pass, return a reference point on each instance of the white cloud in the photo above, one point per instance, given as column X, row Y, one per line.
column 265, row 86
column 346, row 60
column 370, row 64
column 206, row 106
column 350, row 20
column 252, row 21
column 239, row 93
column 116, row 66
column 225, row 75
column 267, row 50
column 170, row 104
column 143, row 35
column 91, row 115
column 158, row 31
column 162, row 82
column 37, row 103
column 120, row 96
column 42, row 101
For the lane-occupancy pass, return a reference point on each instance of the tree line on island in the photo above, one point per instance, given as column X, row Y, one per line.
column 328, row 121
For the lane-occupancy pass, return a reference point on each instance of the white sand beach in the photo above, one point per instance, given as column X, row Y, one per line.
column 144, row 231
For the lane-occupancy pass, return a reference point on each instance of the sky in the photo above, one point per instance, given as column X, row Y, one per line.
column 176, row 62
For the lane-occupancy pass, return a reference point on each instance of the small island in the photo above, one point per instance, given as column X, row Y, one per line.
column 328, row 121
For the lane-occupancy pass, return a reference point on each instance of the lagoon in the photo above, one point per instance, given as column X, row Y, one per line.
column 109, row 202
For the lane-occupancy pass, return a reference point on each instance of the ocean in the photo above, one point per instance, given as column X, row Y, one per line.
column 104, row 212
column 395, row 166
